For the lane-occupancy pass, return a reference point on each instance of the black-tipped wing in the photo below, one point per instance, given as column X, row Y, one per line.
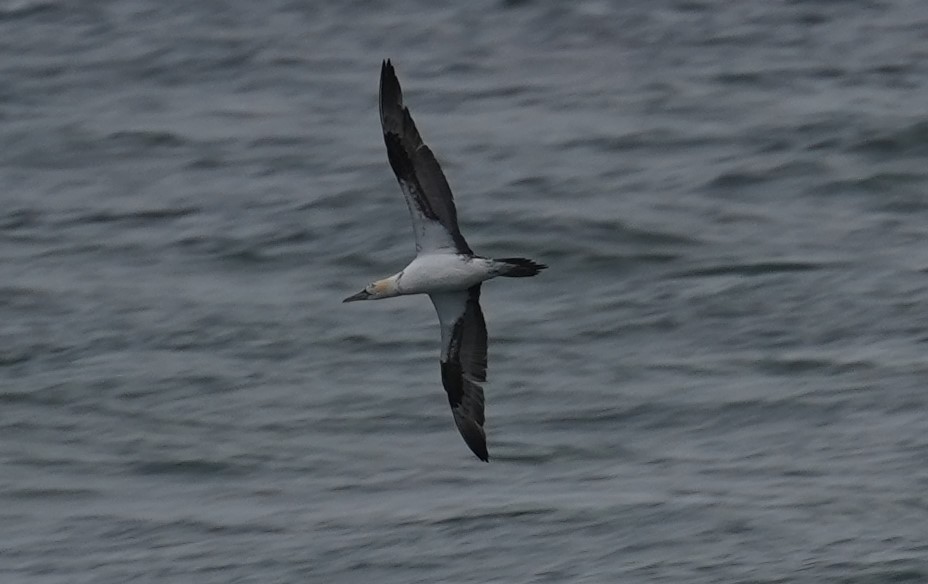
column 464, row 362
column 428, row 196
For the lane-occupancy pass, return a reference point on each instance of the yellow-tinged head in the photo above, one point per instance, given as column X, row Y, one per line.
column 385, row 288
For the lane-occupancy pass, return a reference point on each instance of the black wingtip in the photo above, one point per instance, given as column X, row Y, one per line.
column 391, row 98
column 481, row 451
column 477, row 442
column 471, row 431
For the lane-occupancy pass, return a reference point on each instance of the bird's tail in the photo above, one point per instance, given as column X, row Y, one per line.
column 518, row 267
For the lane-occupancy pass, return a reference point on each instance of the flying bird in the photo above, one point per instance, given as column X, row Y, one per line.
column 445, row 267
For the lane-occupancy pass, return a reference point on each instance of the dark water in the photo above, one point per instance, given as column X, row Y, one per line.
column 720, row 379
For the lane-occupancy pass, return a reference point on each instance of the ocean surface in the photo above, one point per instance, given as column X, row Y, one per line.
column 721, row 378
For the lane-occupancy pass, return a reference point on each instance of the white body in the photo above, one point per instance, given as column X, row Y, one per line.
column 444, row 272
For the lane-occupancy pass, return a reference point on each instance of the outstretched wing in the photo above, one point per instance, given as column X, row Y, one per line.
column 464, row 362
column 428, row 196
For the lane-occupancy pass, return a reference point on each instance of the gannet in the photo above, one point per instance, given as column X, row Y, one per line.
column 445, row 267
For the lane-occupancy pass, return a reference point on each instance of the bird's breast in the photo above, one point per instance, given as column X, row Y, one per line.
column 442, row 273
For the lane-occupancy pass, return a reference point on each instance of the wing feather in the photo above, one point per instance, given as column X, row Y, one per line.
column 428, row 196
column 464, row 362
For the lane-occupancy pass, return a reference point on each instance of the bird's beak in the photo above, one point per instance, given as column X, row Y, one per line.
column 362, row 295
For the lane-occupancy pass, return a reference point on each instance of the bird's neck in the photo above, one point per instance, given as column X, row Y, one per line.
column 389, row 287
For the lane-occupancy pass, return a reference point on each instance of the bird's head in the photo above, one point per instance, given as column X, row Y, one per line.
column 385, row 288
